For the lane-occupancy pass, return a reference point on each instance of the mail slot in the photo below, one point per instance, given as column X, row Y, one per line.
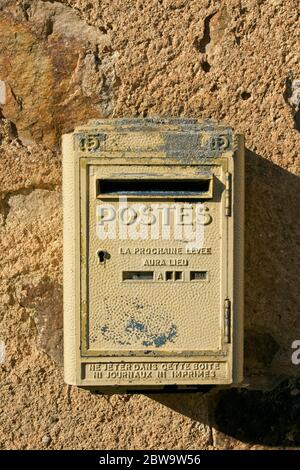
column 179, row 188
column 153, row 254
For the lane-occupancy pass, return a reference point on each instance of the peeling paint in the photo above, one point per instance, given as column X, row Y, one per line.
column 141, row 324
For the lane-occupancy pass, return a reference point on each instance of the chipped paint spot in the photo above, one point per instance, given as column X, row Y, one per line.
column 135, row 325
column 162, row 339
column 141, row 325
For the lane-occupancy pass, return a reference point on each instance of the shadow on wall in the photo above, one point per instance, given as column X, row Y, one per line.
column 254, row 417
column 272, row 320
column 272, row 268
column 267, row 418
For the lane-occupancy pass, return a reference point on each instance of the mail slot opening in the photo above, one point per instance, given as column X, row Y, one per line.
column 179, row 188
column 198, row 275
column 137, row 275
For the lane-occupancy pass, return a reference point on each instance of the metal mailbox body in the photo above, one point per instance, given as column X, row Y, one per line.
column 145, row 307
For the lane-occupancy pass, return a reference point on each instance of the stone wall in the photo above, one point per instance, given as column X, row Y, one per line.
column 64, row 62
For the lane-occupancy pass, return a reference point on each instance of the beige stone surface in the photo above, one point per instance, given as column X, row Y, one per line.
column 62, row 63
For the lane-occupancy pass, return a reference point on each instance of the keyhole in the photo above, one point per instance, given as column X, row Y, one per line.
column 102, row 255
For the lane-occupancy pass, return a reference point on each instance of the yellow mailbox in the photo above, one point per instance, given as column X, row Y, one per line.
column 153, row 254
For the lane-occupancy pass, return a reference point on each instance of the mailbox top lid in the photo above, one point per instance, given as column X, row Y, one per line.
column 160, row 124
column 184, row 140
